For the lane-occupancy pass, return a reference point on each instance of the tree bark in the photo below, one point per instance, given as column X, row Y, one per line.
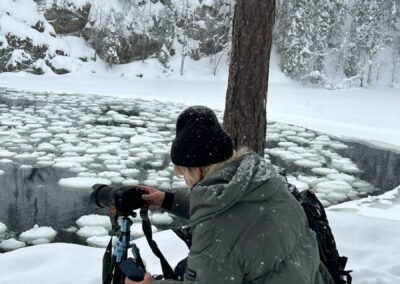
column 245, row 115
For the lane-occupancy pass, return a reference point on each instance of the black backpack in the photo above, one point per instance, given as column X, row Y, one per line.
column 318, row 222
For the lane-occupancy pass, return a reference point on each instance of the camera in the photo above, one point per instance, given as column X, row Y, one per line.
column 124, row 199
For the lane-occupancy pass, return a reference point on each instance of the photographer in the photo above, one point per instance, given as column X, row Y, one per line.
column 246, row 226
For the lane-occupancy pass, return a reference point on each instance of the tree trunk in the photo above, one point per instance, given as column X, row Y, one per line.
column 245, row 115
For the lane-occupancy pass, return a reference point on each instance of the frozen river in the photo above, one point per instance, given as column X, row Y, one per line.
column 45, row 138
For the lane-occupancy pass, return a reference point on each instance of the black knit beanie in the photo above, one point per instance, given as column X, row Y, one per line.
column 200, row 140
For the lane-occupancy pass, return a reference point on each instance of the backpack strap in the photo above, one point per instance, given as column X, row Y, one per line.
column 146, row 225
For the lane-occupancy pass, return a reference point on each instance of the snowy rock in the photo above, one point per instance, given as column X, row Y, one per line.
column 47, row 147
column 276, row 152
column 297, row 149
column 3, row 228
column 351, row 169
column 338, row 146
column 7, row 154
column 82, row 183
column 40, row 241
column 109, row 175
column 290, row 156
column 336, row 197
column 6, row 161
column 130, row 182
column 44, row 163
column 100, row 241
column 323, row 171
column 157, row 164
column 361, row 184
column 151, row 182
column 94, row 220
column 301, row 186
column 308, row 163
column 323, row 138
column 65, row 165
column 342, row 177
column 288, row 133
column 344, row 165
column 38, row 233
column 333, row 186
column 298, row 140
column 311, row 180
column 130, row 172
column 325, row 203
column 71, row 229
column 273, row 136
column 117, row 180
column 306, row 134
column 87, row 232
column 139, row 140
column 11, row 244
column 287, row 144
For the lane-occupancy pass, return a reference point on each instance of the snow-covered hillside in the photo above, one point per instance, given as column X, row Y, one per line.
column 96, row 36
column 330, row 43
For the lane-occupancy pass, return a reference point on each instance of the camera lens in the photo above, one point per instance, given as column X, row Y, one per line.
column 103, row 195
column 125, row 199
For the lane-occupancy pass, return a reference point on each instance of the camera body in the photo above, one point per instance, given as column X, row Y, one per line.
column 125, row 199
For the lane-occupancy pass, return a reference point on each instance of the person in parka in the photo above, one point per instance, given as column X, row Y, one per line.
column 246, row 226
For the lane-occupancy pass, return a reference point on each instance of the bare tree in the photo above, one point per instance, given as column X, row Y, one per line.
column 245, row 115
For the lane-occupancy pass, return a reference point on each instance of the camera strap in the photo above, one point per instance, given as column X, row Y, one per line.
column 146, row 225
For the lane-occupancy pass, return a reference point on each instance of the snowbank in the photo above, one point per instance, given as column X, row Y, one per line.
column 72, row 264
column 369, row 242
column 38, row 233
column 366, row 232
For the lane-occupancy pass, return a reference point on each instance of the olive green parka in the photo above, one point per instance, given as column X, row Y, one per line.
column 248, row 228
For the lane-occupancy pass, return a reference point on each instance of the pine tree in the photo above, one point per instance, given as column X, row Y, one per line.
column 392, row 36
column 366, row 40
column 296, row 48
column 338, row 35
column 319, row 45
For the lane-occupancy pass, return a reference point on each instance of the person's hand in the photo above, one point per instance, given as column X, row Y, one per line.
column 147, row 280
column 154, row 197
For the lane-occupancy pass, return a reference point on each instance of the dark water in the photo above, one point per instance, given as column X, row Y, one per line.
column 379, row 167
column 32, row 196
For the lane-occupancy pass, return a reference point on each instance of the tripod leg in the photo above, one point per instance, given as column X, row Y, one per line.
column 119, row 276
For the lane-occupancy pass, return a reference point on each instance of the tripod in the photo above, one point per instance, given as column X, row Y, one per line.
column 116, row 264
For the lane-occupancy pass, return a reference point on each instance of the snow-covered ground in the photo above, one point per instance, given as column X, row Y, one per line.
column 367, row 231
column 370, row 242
